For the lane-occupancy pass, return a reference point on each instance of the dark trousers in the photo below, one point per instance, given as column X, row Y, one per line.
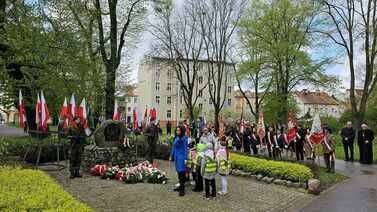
column 182, row 181
column 255, row 149
column 299, row 151
column 210, row 183
column 330, row 164
column 198, row 181
column 346, row 147
column 75, row 158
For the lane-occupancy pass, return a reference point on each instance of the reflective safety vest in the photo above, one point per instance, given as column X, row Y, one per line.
column 189, row 159
column 210, row 166
column 224, row 166
column 230, row 143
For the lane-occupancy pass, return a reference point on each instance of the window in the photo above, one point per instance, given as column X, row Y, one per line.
column 129, row 100
column 169, row 87
column 229, row 102
column 200, row 105
column 168, row 114
column 200, row 93
column 129, row 109
column 210, row 101
column 158, row 71
column 180, row 114
column 135, row 99
column 168, row 100
column 200, row 79
column 229, row 89
column 157, row 86
column 181, row 99
column 210, row 87
column 157, row 99
column 170, row 74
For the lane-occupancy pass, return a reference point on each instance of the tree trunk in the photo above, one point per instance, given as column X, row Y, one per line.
column 217, row 125
column 110, row 91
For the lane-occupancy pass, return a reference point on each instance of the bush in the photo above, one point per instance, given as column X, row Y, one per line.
column 31, row 190
column 275, row 169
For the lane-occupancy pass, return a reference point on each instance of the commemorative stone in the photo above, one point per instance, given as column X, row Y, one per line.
column 109, row 134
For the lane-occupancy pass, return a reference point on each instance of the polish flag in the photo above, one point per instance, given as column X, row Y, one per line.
column 82, row 113
column 21, row 108
column 242, row 126
column 291, row 134
column 38, row 111
column 64, row 113
column 135, row 123
column 72, row 109
column 316, row 134
column 45, row 114
column 153, row 114
column 116, row 116
column 221, row 127
column 261, row 128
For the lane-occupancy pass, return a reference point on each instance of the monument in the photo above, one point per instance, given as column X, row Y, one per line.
column 108, row 147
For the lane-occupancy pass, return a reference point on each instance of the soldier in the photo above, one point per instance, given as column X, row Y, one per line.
column 77, row 136
column 328, row 145
column 151, row 134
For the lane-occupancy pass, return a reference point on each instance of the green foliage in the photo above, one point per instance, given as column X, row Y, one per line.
column 333, row 123
column 31, row 190
column 276, row 169
column 272, row 109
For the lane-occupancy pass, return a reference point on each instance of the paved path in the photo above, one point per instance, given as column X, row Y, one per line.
column 245, row 195
column 7, row 131
column 357, row 194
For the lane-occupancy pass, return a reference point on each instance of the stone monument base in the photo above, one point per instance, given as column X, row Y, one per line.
column 106, row 155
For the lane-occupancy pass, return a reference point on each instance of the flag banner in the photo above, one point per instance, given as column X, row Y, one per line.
column 38, row 112
column 261, row 128
column 21, row 110
column 316, row 134
column 242, row 126
column 135, row 122
column 45, row 114
column 116, row 116
column 72, row 110
column 292, row 132
column 83, row 114
column 64, row 114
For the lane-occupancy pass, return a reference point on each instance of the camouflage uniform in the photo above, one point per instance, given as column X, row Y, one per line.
column 77, row 136
column 151, row 134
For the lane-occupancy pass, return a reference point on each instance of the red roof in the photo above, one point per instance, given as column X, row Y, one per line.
column 316, row 98
column 358, row 92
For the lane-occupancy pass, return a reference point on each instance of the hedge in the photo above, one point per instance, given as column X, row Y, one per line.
column 276, row 169
column 32, row 190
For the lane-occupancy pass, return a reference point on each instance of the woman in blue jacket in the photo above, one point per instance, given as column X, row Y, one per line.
column 179, row 155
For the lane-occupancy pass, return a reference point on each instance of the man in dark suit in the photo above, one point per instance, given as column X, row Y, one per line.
column 348, row 137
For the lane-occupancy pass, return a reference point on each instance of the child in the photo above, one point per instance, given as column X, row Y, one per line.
column 223, row 165
column 189, row 164
column 200, row 148
column 208, row 171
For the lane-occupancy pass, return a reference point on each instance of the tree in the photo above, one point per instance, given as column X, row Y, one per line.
column 112, row 54
column 283, row 31
column 352, row 24
column 218, row 21
column 179, row 40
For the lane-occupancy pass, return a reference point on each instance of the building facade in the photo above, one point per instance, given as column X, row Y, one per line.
column 317, row 102
column 159, row 87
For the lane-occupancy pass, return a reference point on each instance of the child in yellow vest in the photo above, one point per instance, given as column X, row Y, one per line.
column 223, row 164
column 200, row 149
column 209, row 170
column 190, row 162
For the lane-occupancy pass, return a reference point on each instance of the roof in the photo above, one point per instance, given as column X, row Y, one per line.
column 316, row 98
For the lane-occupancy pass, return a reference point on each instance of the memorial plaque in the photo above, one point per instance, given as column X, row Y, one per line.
column 109, row 134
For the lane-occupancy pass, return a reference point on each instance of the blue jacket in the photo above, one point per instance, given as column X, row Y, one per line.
column 179, row 153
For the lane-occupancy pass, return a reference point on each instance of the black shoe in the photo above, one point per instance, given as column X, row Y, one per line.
column 177, row 189
column 181, row 193
column 72, row 176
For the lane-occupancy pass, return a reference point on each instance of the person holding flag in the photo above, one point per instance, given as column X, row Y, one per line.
column 315, row 136
column 328, row 145
column 261, row 131
column 77, row 136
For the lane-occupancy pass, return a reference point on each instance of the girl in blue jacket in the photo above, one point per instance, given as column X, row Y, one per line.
column 179, row 155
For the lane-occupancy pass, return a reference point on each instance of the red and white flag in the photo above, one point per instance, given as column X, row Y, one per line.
column 153, row 114
column 221, row 127
column 38, row 111
column 45, row 114
column 64, row 113
column 135, row 122
column 21, row 110
column 72, row 109
column 316, row 134
column 82, row 113
column 261, row 128
column 242, row 126
column 116, row 116
column 292, row 132
column 145, row 118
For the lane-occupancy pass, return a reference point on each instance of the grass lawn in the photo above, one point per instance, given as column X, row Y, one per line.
column 31, row 190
